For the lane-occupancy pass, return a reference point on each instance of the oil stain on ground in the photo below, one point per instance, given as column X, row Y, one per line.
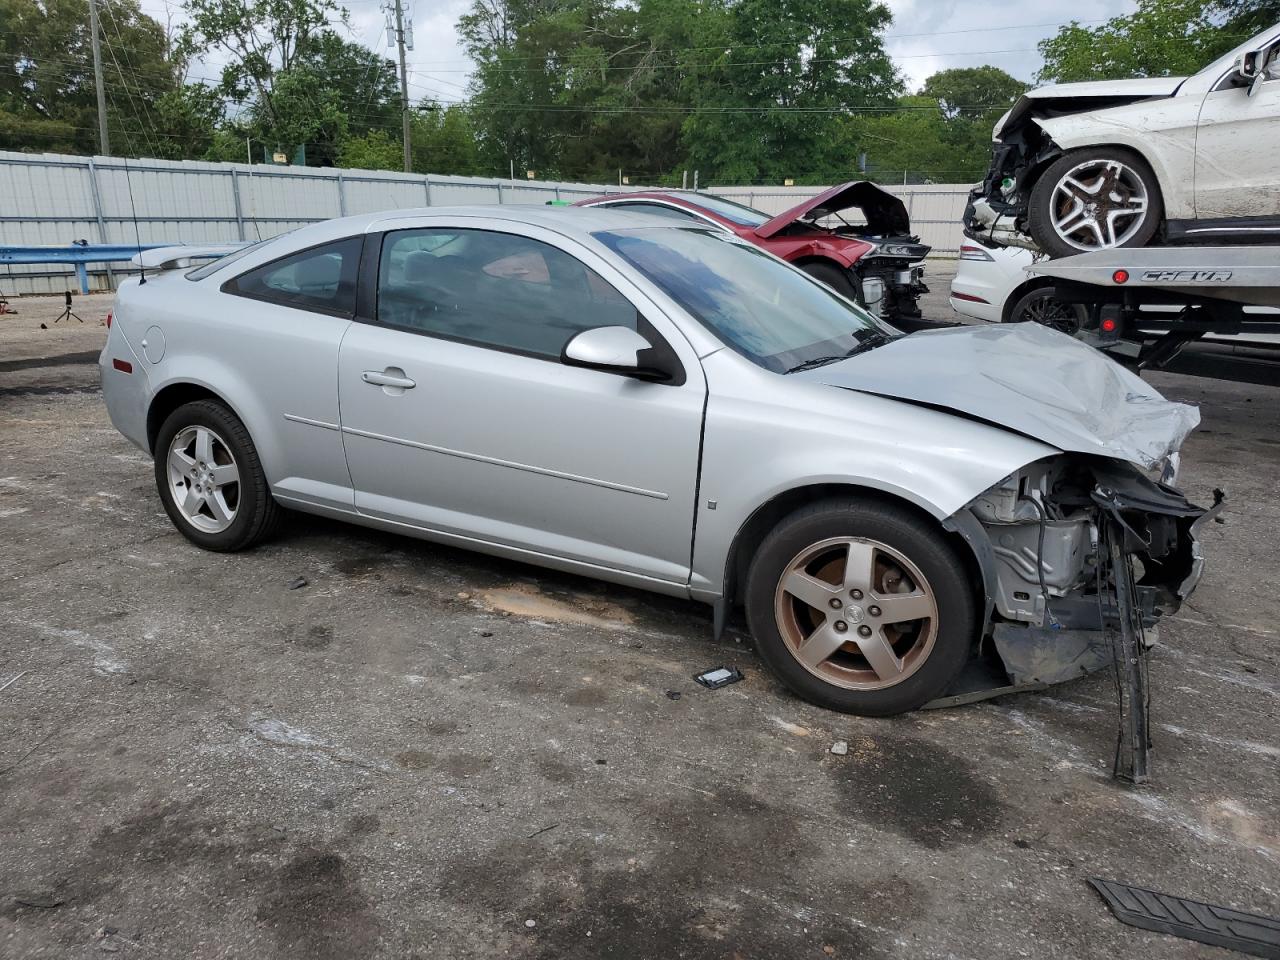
column 316, row 909
column 689, row 893
column 919, row 791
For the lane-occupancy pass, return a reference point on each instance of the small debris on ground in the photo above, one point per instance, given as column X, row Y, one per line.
column 840, row 748
column 718, row 677
column 829, row 950
column 464, row 596
column 486, row 633
column 531, row 924
column 297, row 583
column 673, row 694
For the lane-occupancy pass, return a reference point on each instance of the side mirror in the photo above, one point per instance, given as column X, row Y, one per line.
column 615, row 350
column 1250, row 68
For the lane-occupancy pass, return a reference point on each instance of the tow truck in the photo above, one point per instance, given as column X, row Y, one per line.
column 1143, row 306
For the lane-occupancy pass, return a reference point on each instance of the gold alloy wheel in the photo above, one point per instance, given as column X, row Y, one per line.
column 856, row 613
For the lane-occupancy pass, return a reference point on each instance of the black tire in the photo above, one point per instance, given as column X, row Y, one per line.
column 1038, row 305
column 1039, row 206
column 917, row 540
column 257, row 515
column 834, row 277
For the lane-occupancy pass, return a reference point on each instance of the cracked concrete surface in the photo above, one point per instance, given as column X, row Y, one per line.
column 424, row 749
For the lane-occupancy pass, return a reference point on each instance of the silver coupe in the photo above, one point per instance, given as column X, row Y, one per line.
column 668, row 407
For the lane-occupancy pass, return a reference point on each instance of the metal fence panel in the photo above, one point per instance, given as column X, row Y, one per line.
column 56, row 199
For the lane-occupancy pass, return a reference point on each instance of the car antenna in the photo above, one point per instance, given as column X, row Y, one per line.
column 137, row 236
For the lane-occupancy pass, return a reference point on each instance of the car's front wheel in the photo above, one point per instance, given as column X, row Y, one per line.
column 1094, row 199
column 210, row 479
column 861, row 607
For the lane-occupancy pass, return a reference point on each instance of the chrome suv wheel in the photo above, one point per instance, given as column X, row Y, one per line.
column 1094, row 199
column 861, row 606
column 210, row 479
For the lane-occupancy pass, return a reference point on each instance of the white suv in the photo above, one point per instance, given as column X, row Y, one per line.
column 1128, row 163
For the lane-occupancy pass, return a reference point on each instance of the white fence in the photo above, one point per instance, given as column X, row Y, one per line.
column 55, row 199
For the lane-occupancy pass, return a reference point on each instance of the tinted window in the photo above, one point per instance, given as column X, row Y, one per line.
column 767, row 311
column 322, row 278
column 658, row 210
column 493, row 289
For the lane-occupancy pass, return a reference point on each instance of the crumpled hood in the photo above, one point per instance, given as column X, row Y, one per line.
column 886, row 214
column 1026, row 378
column 1083, row 97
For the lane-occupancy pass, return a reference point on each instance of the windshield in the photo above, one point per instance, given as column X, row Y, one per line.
column 738, row 213
column 769, row 312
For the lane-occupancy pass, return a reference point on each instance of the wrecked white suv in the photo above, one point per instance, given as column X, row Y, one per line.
column 1129, row 163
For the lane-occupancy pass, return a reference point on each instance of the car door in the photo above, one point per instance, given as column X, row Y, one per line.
column 1237, row 143
column 459, row 418
column 283, row 328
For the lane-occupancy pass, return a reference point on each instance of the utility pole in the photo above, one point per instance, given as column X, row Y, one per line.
column 404, row 88
column 104, row 142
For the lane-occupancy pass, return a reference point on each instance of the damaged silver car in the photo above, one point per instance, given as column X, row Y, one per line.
column 903, row 518
column 1129, row 163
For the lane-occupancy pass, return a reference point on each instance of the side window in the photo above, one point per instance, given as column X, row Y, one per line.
column 493, row 289
column 322, row 278
column 661, row 210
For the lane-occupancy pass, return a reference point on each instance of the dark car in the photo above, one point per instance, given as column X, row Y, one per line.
column 856, row 238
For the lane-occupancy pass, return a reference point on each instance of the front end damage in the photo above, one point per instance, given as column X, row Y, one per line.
column 1082, row 556
column 996, row 214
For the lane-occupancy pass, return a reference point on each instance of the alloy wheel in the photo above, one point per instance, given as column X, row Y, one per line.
column 856, row 613
column 204, row 479
column 1099, row 204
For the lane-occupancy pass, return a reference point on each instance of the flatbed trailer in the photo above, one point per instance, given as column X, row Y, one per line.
column 1210, row 290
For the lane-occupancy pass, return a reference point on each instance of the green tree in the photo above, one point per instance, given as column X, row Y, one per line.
column 444, row 140
column 1160, row 38
column 46, row 77
column 298, row 82
column 973, row 93
column 771, row 105
column 374, row 150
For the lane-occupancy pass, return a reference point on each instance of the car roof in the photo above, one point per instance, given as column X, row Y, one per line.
column 570, row 220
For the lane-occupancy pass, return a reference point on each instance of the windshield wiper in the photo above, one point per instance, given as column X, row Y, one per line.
column 872, row 341
column 816, row 362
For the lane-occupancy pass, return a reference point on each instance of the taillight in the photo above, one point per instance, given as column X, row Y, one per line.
column 1120, row 276
column 969, row 251
column 108, row 319
column 1109, row 325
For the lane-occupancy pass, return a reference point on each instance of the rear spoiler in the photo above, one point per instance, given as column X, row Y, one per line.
column 182, row 255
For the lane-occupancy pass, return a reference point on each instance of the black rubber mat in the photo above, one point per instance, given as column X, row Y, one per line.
column 1249, row 933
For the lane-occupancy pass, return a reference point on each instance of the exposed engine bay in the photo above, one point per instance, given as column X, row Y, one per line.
column 1085, row 555
column 890, row 276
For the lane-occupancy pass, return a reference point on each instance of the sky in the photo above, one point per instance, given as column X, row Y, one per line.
column 926, row 36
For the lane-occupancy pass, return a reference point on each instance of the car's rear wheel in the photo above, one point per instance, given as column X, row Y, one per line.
column 210, row 479
column 1041, row 306
column 1094, row 199
column 861, row 607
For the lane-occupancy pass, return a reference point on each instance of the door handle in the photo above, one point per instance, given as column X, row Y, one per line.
column 390, row 377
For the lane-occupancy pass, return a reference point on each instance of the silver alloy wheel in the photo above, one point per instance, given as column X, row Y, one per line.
column 204, row 479
column 1098, row 204
column 856, row 613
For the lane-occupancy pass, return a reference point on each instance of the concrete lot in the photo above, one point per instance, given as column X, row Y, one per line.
column 428, row 753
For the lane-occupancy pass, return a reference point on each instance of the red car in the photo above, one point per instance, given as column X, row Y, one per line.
column 872, row 258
